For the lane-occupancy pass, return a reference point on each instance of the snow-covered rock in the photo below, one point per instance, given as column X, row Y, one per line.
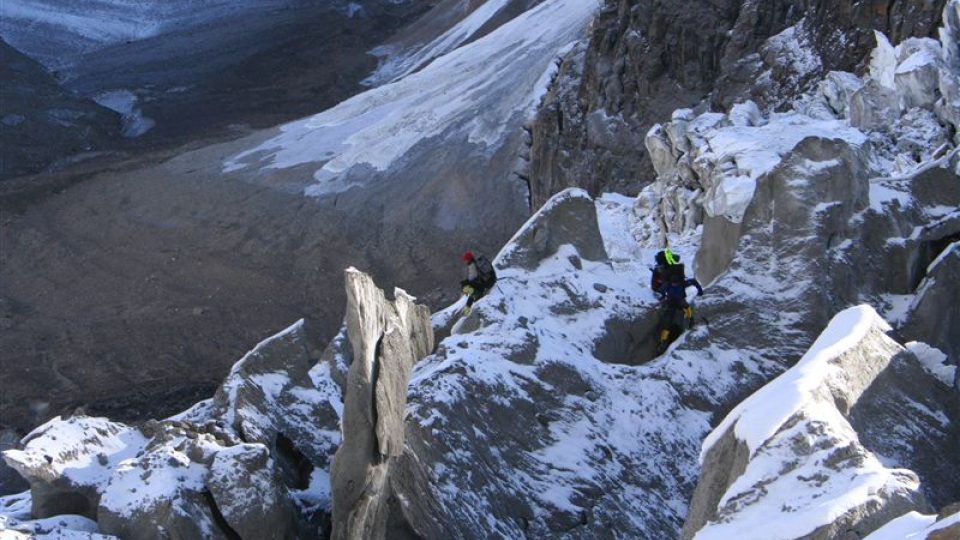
column 874, row 106
column 387, row 339
column 570, row 218
column 249, row 493
column 917, row 76
column 279, row 396
column 68, row 462
column 789, row 455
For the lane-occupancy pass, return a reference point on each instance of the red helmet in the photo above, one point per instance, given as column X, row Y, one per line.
column 468, row 257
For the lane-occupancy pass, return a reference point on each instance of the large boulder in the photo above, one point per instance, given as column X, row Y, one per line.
column 789, row 455
column 387, row 339
column 874, row 106
column 917, row 77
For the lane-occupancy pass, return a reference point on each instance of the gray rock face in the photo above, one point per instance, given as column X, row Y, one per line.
column 387, row 338
column 874, row 106
column 250, row 495
column 272, row 398
column 908, row 416
column 932, row 317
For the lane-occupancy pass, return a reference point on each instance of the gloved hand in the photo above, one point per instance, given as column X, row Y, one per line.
column 467, row 290
column 466, row 311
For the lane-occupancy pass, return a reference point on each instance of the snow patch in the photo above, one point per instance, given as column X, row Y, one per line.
column 124, row 102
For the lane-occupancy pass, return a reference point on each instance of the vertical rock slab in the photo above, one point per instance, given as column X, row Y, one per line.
column 387, row 338
column 933, row 316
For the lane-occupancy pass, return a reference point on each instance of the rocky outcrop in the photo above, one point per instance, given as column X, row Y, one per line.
column 387, row 339
column 708, row 164
column 252, row 462
column 908, row 415
column 278, row 395
column 646, row 59
column 570, row 218
column 789, row 455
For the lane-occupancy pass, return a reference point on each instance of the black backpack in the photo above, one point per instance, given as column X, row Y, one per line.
column 675, row 274
column 486, row 275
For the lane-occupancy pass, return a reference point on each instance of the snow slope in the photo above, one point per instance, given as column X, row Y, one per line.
column 476, row 94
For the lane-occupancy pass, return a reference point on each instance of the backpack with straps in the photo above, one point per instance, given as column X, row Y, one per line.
column 486, row 275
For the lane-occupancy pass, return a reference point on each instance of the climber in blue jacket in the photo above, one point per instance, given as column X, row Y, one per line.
column 670, row 284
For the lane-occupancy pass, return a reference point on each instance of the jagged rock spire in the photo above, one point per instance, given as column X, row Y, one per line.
column 387, row 339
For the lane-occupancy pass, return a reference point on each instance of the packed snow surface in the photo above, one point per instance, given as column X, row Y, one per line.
column 472, row 93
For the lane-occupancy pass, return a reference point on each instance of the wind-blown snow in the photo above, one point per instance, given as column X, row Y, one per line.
column 472, row 93
column 934, row 361
column 760, row 415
